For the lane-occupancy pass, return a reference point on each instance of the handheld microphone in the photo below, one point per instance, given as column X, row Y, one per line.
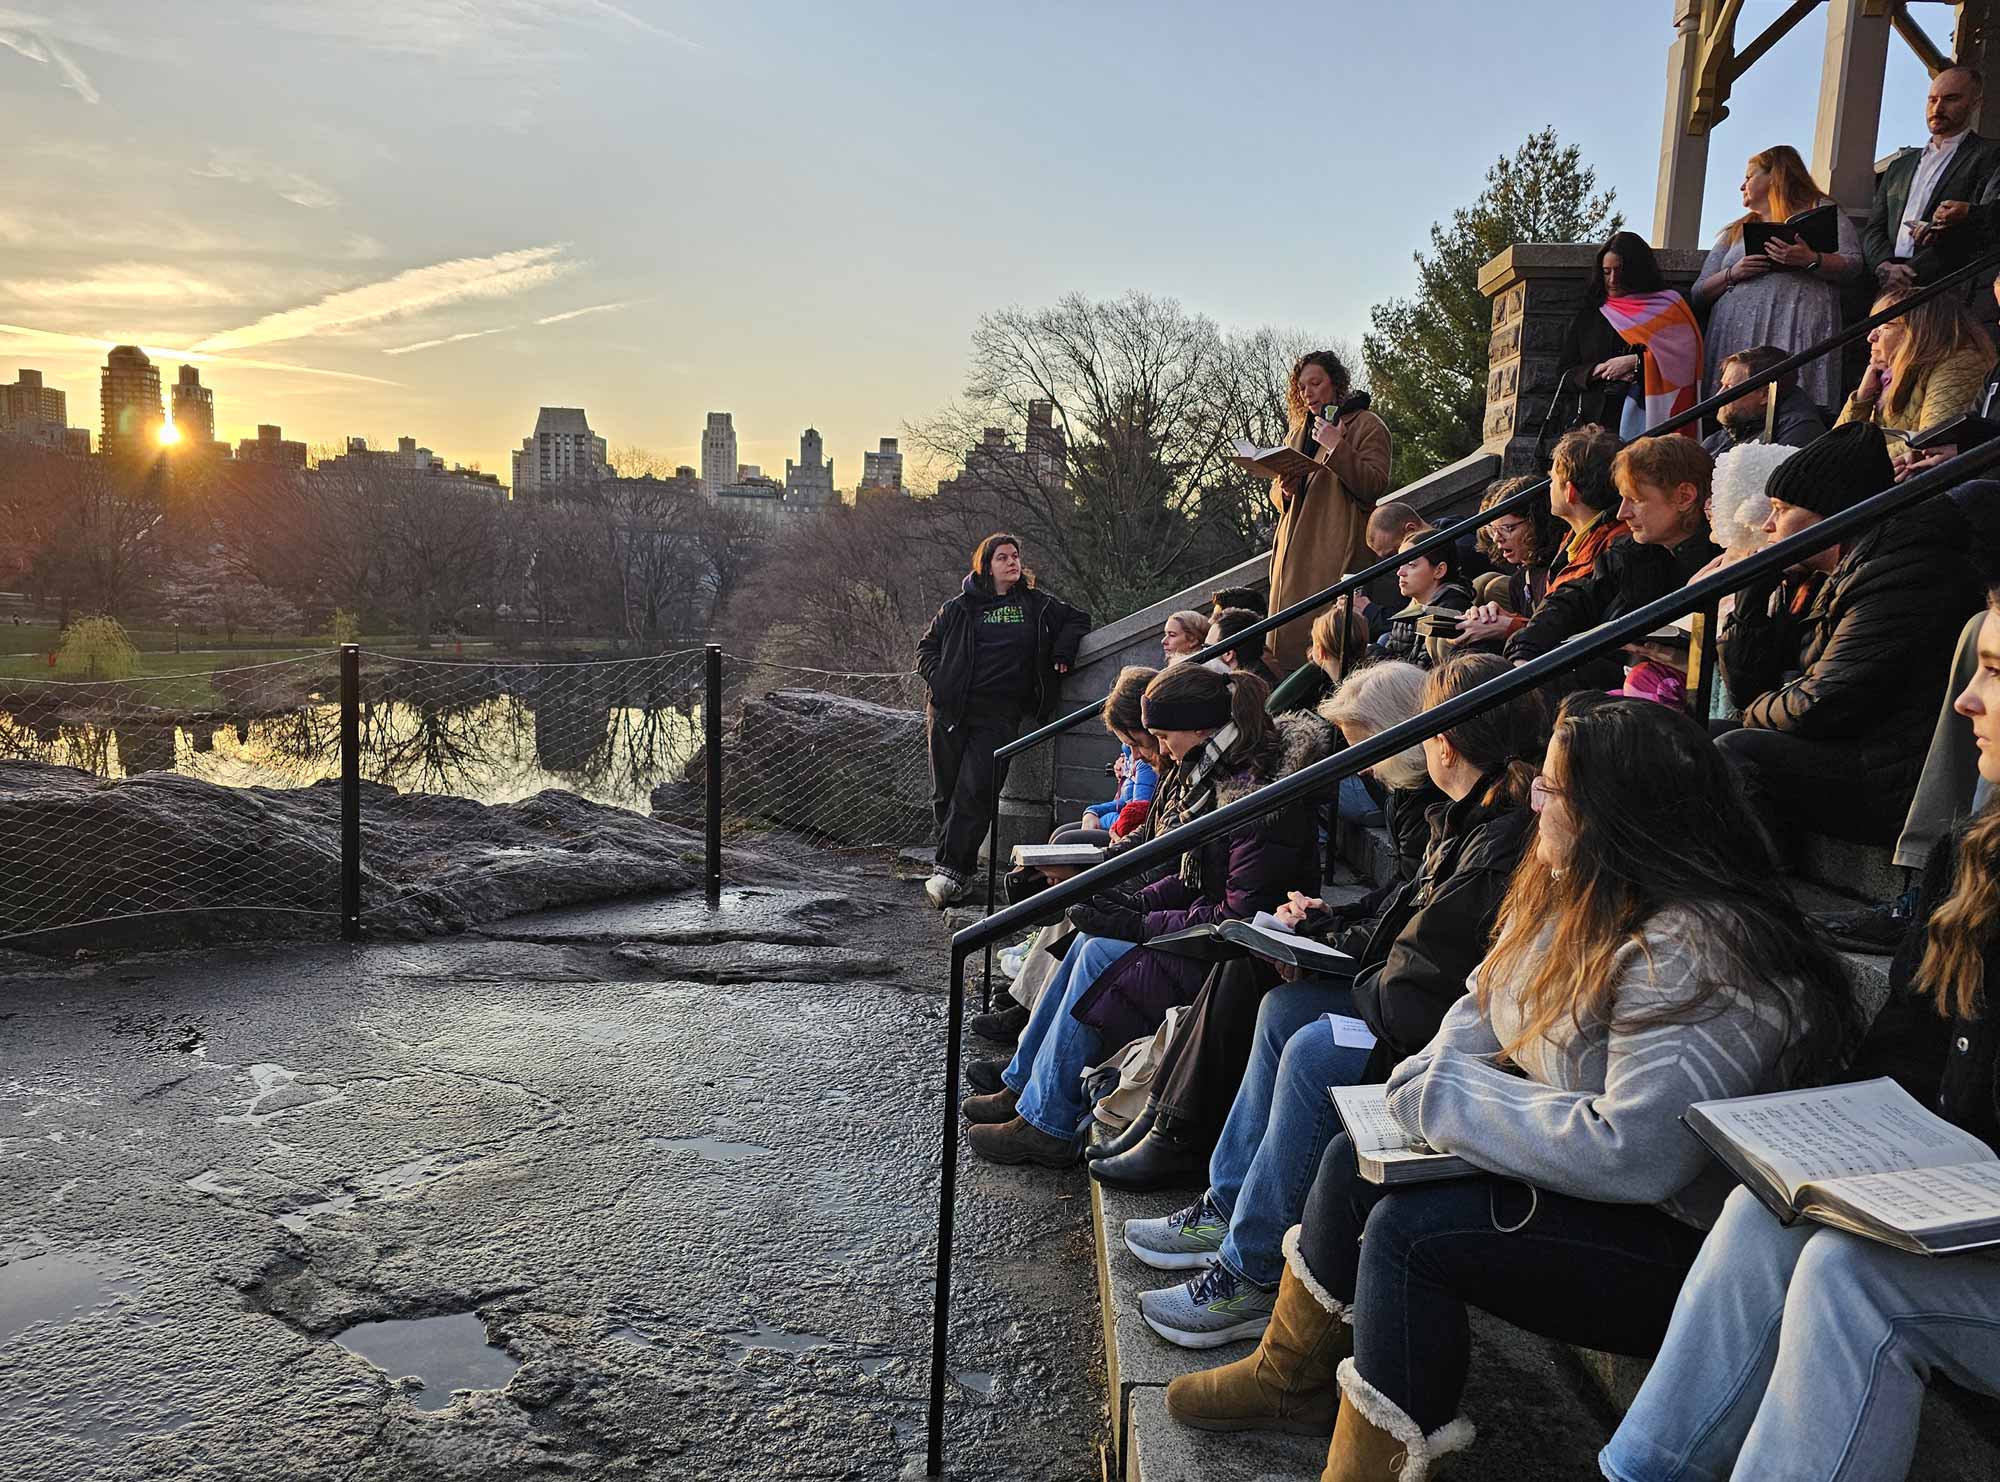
column 1358, row 402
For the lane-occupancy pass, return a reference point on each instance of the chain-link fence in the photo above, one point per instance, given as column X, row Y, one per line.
column 225, row 796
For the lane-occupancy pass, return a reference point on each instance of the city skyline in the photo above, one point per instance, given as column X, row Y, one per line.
column 438, row 228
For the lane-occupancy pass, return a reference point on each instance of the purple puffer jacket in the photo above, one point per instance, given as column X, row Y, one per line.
column 1248, row 870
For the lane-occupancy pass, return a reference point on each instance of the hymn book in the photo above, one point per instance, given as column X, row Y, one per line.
column 1383, row 1151
column 1865, row 1157
column 1818, row 228
column 1073, row 856
column 1272, row 463
column 1264, row 935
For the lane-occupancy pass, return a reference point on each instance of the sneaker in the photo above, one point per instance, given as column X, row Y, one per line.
column 1215, row 1308
column 1874, row 929
column 1011, row 960
column 1185, row 1240
column 941, row 890
column 1002, row 1026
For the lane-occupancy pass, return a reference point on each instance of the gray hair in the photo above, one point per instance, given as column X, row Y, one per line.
column 1373, row 699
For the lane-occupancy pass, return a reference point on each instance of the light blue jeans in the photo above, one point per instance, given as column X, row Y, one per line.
column 1280, row 1123
column 1048, row 1064
column 1800, row 1354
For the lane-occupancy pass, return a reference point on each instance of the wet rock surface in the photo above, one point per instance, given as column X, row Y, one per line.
column 605, row 1222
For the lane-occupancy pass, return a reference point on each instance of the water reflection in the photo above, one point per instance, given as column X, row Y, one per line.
column 492, row 733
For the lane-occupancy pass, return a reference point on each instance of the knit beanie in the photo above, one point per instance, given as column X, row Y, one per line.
column 1835, row 472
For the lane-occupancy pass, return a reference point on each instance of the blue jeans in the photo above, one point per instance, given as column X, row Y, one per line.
column 1280, row 1123
column 1048, row 1064
column 1412, row 1259
column 1357, row 805
column 1800, row 1354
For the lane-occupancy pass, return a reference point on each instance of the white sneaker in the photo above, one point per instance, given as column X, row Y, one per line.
column 942, row 890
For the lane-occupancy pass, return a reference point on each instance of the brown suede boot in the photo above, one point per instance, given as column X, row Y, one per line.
column 996, row 1108
column 1374, row 1441
column 1017, row 1142
column 1287, row 1384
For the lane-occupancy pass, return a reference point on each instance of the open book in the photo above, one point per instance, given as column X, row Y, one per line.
column 1262, row 936
column 1818, row 227
column 1272, row 463
column 1865, row 1157
column 1077, row 856
column 1385, row 1152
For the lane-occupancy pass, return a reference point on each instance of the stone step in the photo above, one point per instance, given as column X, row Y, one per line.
column 1863, row 872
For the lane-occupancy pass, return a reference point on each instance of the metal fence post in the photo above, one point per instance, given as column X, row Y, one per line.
column 711, row 718
column 947, row 1215
column 350, row 792
column 992, row 879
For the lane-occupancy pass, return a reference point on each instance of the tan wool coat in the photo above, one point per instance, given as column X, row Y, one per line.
column 1320, row 530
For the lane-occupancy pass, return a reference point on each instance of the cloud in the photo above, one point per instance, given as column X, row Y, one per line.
column 506, row 32
column 451, row 339
column 245, row 168
column 499, row 276
column 569, row 314
column 123, row 285
column 31, row 37
column 48, row 341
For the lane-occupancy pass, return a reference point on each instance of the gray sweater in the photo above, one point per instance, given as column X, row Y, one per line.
column 1596, row 1115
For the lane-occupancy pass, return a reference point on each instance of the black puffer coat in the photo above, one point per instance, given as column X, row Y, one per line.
column 1866, row 665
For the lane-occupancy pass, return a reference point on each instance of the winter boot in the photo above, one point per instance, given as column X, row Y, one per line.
column 1374, row 1441
column 1287, row 1384
column 1118, row 1142
column 1163, row 1159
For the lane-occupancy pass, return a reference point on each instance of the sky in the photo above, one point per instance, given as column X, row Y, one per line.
column 380, row 218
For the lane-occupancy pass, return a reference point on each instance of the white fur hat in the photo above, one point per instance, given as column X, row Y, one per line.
column 1739, row 505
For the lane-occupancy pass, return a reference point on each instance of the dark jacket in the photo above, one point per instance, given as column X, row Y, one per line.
column 1950, row 1065
column 1963, row 180
column 1230, row 877
column 1626, row 576
column 1406, row 816
column 1588, row 342
column 1435, row 929
column 1862, row 666
column 1799, row 422
column 1405, row 642
column 945, row 652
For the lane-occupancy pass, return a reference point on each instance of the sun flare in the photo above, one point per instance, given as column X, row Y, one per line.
column 169, row 434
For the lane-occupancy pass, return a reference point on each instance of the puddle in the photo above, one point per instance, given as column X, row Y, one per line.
column 448, row 1353
column 976, row 1381
column 278, row 1092
column 56, row 1288
column 712, row 1149
column 874, row 1365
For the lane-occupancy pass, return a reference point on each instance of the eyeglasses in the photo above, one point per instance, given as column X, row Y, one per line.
column 1540, row 791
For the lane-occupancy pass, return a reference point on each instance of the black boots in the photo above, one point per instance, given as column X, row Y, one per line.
column 1137, row 1128
column 1165, row 1157
column 1002, row 1026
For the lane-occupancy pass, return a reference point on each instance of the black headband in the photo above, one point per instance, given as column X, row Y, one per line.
column 1186, row 715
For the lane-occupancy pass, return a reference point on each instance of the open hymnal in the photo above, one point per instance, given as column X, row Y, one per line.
column 1385, row 1152
column 1073, row 856
column 1865, row 1157
column 1818, row 227
column 1264, row 935
column 1272, row 463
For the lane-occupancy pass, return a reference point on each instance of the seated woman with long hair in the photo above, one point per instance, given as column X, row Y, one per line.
column 1648, row 956
column 1412, row 970
column 1924, row 369
column 1111, row 988
column 1802, row 1351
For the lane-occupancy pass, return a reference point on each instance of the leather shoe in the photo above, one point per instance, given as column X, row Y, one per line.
column 1123, row 1141
column 1016, row 1142
column 1002, row 1026
column 1162, row 1159
column 984, row 1075
column 998, row 1107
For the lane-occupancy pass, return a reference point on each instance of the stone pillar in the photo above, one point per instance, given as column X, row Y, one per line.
column 1536, row 289
column 1850, row 100
column 1972, row 44
column 1683, row 155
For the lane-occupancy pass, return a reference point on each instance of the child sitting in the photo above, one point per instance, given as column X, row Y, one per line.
column 1430, row 587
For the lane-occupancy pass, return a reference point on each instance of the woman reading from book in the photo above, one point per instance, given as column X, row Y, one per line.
column 1411, row 971
column 1803, row 1351
column 1647, row 957
column 1111, row 988
column 1784, row 292
column 1632, row 355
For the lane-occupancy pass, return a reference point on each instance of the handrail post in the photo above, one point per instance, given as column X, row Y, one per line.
column 992, row 881
column 947, row 1213
column 350, row 792
column 711, row 722
column 1702, row 661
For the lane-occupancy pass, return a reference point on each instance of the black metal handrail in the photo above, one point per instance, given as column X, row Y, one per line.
column 1450, row 535
column 1323, row 776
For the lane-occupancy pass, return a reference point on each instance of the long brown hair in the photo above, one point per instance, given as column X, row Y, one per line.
column 1793, row 189
column 1935, row 329
column 1660, row 823
column 1295, row 401
column 1506, row 738
column 1122, row 713
column 1956, row 938
column 1256, row 738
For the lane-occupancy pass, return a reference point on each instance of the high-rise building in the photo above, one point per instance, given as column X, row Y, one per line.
column 269, row 446
column 810, row 480
column 133, row 413
column 718, row 453
column 884, row 469
column 29, row 404
column 194, row 412
column 563, row 450
column 407, row 457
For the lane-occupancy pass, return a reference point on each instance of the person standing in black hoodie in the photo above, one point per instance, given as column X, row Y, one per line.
column 991, row 655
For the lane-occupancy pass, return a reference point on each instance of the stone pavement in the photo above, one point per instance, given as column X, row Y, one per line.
column 689, row 1214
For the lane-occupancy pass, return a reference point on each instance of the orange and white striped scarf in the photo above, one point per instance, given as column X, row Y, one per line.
column 1664, row 326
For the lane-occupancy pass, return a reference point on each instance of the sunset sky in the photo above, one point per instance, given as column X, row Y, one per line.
column 429, row 217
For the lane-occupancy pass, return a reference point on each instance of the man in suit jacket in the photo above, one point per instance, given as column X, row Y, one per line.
column 1922, row 224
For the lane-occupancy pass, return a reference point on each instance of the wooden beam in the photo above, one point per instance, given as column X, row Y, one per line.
column 1927, row 50
column 1748, row 56
column 1715, row 41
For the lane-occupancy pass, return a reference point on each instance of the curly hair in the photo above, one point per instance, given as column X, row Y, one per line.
column 1326, row 360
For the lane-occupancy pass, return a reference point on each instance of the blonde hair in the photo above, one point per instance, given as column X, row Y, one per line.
column 1934, row 330
column 1190, row 621
column 1961, row 930
column 1372, row 700
column 1793, row 189
column 1326, row 632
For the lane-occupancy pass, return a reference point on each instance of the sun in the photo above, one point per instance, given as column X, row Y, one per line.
column 169, row 434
